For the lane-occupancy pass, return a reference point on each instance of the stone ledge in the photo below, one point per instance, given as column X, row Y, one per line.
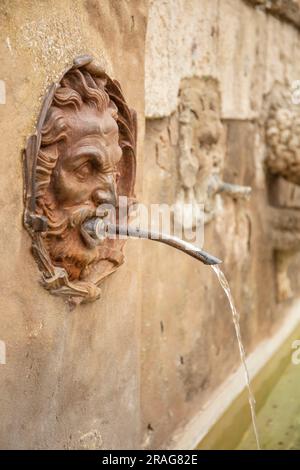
column 288, row 10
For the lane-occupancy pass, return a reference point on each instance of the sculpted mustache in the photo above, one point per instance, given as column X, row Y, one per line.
column 81, row 215
column 75, row 219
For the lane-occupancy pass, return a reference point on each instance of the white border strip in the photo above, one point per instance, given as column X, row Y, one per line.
column 190, row 436
column 2, row 92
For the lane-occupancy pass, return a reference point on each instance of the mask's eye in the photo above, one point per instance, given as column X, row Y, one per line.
column 84, row 171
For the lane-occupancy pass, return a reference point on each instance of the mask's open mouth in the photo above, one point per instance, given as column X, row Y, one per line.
column 93, row 225
column 93, row 231
column 89, row 241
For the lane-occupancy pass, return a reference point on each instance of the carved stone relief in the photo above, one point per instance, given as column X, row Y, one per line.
column 81, row 156
column 283, row 136
column 201, row 147
column 282, row 163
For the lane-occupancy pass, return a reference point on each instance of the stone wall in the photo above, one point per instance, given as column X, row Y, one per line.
column 188, row 337
column 132, row 368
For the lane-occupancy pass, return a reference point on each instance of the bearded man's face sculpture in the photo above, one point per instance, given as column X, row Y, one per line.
column 81, row 158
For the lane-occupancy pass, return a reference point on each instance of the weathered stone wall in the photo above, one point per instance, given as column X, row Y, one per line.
column 189, row 346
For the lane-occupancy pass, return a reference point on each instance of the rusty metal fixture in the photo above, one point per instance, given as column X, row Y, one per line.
column 81, row 155
column 99, row 230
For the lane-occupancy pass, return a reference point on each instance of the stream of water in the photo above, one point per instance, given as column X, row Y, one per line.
column 235, row 316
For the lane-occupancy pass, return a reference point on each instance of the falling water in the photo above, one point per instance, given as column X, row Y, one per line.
column 98, row 229
column 235, row 316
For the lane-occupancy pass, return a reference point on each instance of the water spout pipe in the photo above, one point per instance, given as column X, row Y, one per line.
column 98, row 229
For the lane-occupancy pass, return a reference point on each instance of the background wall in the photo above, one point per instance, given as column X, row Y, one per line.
column 132, row 368
column 189, row 345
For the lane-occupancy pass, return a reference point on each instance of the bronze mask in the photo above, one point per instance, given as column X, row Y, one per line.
column 81, row 157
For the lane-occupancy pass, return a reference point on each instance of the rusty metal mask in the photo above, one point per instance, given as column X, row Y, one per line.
column 81, row 156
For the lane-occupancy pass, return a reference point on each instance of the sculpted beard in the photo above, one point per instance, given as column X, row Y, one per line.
column 65, row 241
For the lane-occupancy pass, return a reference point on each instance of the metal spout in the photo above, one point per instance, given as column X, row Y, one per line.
column 98, row 229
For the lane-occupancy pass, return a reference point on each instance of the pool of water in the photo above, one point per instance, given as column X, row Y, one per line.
column 278, row 419
column 277, row 391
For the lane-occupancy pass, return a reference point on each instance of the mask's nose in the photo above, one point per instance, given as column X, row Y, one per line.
column 106, row 194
